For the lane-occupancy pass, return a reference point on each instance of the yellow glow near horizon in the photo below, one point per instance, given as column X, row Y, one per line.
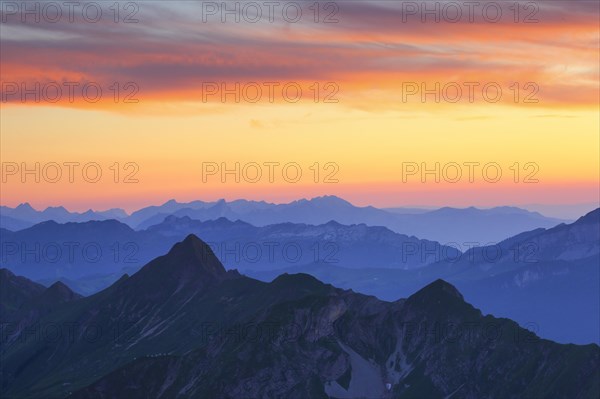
column 368, row 147
column 380, row 63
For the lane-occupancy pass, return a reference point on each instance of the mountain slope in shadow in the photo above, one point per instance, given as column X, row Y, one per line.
column 183, row 326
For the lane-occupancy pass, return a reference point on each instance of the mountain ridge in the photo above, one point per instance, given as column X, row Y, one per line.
column 443, row 224
column 315, row 340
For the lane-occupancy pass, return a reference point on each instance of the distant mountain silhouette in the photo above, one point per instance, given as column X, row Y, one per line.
column 444, row 225
column 357, row 246
column 51, row 250
column 12, row 224
column 183, row 326
column 24, row 215
column 71, row 251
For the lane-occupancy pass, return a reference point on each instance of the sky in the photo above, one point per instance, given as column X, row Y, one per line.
column 381, row 103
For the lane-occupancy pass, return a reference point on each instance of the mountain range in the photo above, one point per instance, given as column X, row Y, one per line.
column 70, row 251
column 24, row 215
column 184, row 326
column 545, row 278
column 445, row 225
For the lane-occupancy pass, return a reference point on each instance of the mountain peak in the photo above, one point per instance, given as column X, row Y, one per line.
column 436, row 293
column 190, row 243
column 189, row 266
column 59, row 292
column 195, row 253
column 330, row 200
column 440, row 285
column 333, row 223
column 25, row 206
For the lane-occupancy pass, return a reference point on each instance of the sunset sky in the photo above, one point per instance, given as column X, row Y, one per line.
column 370, row 60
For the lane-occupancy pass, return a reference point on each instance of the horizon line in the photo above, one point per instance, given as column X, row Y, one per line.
column 424, row 207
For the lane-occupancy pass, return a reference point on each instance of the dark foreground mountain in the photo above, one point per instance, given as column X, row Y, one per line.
column 23, row 303
column 185, row 327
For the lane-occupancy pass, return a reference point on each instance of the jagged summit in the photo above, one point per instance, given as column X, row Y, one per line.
column 192, row 258
column 192, row 245
column 188, row 268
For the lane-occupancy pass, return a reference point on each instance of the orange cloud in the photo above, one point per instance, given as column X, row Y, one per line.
column 374, row 47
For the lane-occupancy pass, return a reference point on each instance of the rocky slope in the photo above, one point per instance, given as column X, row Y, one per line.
column 184, row 327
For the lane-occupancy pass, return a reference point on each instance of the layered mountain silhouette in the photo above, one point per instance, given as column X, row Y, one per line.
column 548, row 279
column 183, row 326
column 51, row 250
column 24, row 215
column 545, row 278
column 75, row 251
column 444, row 225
